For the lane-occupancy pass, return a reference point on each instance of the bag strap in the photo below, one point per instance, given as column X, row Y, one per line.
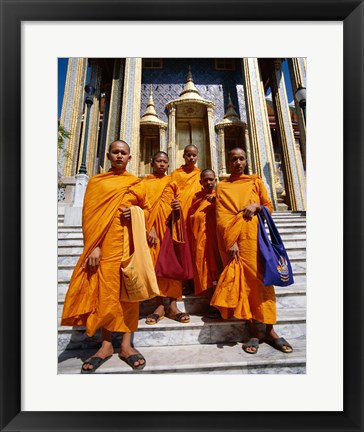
column 177, row 227
column 273, row 231
column 137, row 221
column 262, row 232
column 138, row 225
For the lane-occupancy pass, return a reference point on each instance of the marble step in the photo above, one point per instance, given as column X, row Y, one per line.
column 198, row 305
column 63, row 230
column 284, row 231
column 293, row 296
column 70, row 256
column 298, row 288
column 198, row 359
column 299, row 278
column 291, row 323
column 65, row 270
column 297, row 240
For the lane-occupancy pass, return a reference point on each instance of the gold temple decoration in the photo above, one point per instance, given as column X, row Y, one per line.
column 152, row 136
column 189, row 94
column 191, row 121
column 235, row 133
column 150, row 117
column 231, row 117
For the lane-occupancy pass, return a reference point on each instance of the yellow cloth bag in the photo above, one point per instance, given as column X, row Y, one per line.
column 138, row 279
column 227, row 289
column 230, row 290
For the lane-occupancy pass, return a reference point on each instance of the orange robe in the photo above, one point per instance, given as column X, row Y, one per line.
column 188, row 184
column 255, row 300
column 205, row 253
column 161, row 190
column 93, row 298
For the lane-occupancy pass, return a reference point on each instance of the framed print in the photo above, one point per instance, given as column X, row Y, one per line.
column 33, row 395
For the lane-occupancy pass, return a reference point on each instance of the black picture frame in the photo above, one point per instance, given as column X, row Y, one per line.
column 351, row 13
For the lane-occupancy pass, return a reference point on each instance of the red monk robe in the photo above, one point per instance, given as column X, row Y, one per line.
column 93, row 298
column 254, row 299
column 205, row 253
column 161, row 190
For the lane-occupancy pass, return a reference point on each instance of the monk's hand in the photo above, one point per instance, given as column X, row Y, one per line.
column 176, row 205
column 126, row 212
column 250, row 210
column 234, row 251
column 176, row 208
column 152, row 237
column 210, row 197
column 93, row 260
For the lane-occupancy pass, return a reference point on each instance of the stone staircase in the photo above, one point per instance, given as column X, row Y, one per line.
column 203, row 346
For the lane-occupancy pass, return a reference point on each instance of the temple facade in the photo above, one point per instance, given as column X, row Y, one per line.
column 166, row 103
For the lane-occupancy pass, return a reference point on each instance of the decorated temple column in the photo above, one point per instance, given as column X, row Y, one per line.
column 222, row 156
column 130, row 116
column 105, row 102
column 294, row 178
column 261, row 151
column 212, row 139
column 114, row 110
column 72, row 108
column 297, row 70
column 230, row 128
column 152, row 136
column 171, row 137
column 93, row 130
column 248, row 151
column 163, row 138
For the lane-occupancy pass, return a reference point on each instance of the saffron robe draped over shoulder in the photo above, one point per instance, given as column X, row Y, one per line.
column 161, row 190
column 93, row 298
column 255, row 300
column 205, row 254
column 188, row 183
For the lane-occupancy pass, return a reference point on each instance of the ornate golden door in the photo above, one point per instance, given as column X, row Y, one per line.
column 149, row 145
column 193, row 131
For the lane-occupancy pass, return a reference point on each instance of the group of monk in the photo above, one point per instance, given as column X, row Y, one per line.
column 222, row 232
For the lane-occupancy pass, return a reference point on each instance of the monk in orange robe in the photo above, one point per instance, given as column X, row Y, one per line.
column 244, row 296
column 205, row 253
column 187, row 178
column 93, row 297
column 163, row 196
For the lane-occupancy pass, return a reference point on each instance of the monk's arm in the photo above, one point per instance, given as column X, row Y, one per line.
column 88, row 226
column 138, row 196
column 170, row 197
column 254, row 208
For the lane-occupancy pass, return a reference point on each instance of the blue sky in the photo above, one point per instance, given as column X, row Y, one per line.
column 62, row 71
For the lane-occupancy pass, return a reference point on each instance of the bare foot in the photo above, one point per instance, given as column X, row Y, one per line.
column 105, row 351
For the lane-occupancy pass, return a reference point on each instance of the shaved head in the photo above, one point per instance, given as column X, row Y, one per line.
column 120, row 141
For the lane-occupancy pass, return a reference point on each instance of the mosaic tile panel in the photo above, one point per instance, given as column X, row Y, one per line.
column 213, row 85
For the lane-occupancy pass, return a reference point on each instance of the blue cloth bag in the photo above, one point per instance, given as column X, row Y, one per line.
column 277, row 267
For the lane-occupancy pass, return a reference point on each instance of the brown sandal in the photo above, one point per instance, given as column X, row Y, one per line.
column 179, row 317
column 155, row 317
